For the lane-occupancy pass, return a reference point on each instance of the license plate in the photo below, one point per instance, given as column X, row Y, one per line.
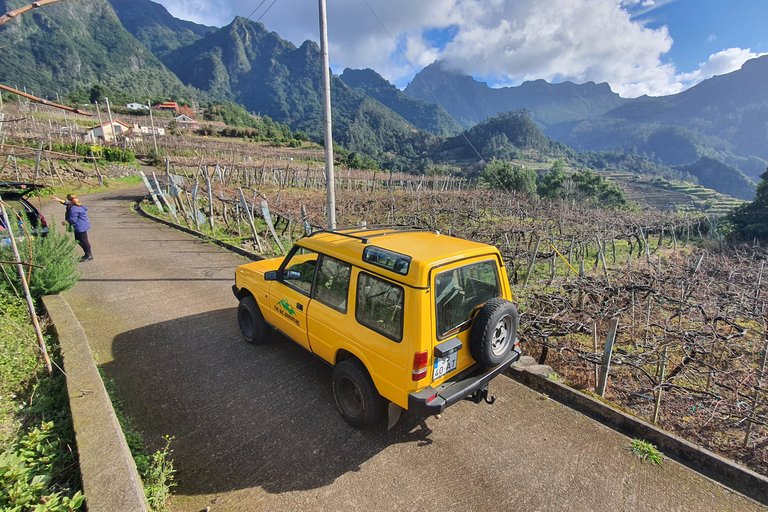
column 444, row 365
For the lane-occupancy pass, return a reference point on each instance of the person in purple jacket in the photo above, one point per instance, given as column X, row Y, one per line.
column 77, row 216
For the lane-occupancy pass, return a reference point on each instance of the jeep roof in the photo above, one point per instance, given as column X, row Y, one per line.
column 425, row 249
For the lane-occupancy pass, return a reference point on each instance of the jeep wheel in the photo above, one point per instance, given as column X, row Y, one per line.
column 251, row 323
column 356, row 396
column 494, row 332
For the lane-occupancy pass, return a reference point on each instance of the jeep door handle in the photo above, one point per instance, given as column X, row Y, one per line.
column 300, row 306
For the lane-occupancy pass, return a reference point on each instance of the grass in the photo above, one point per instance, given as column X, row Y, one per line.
column 646, row 451
column 156, row 470
column 38, row 462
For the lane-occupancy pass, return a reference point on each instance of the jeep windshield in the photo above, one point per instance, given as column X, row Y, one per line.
column 458, row 292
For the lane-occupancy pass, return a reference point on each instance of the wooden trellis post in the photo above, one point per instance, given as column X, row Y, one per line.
column 606, row 363
column 250, row 220
column 30, row 302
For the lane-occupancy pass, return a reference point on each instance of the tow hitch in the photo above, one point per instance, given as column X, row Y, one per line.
column 481, row 395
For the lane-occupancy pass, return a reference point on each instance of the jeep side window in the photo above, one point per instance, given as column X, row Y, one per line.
column 333, row 283
column 379, row 306
column 459, row 291
column 300, row 270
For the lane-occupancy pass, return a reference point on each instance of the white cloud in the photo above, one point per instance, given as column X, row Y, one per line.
column 718, row 63
column 509, row 41
column 712, row 38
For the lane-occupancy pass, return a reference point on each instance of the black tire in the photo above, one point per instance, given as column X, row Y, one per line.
column 251, row 323
column 356, row 396
column 493, row 332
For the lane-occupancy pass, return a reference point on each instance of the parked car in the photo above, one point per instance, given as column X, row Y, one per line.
column 13, row 194
column 409, row 317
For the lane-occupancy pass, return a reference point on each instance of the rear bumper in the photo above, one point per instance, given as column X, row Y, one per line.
column 434, row 400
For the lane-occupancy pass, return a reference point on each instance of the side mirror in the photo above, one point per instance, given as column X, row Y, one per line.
column 270, row 275
column 291, row 275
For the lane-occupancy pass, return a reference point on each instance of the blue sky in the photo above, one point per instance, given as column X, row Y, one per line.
column 653, row 47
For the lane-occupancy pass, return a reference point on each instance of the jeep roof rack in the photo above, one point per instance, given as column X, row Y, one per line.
column 354, row 231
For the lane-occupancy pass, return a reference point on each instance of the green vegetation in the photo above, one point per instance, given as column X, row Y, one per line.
column 646, row 451
column 60, row 49
column 55, row 253
column 38, row 462
column 751, row 219
column 156, row 470
column 584, row 185
column 506, row 176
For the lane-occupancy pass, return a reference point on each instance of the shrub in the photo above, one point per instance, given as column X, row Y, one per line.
column 56, row 252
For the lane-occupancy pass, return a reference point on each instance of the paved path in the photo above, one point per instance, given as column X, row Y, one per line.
column 256, row 428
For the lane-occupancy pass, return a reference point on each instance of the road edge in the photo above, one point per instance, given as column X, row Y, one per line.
column 238, row 250
column 108, row 472
column 701, row 460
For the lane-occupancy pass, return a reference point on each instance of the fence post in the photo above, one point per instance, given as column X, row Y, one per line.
column 757, row 391
column 606, row 363
column 657, row 403
column 250, row 220
column 533, row 260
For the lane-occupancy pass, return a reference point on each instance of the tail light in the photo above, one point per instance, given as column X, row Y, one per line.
column 43, row 222
column 420, row 360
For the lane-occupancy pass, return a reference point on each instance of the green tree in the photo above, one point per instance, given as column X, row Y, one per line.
column 55, row 253
column 750, row 220
column 551, row 184
column 504, row 175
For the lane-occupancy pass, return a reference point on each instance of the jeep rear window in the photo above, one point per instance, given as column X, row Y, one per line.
column 379, row 306
column 459, row 291
column 389, row 260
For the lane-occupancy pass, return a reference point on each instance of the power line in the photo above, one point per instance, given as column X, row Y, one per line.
column 429, row 89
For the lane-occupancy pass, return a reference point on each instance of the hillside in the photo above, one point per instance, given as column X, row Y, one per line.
column 550, row 105
column 426, row 116
column 722, row 118
column 155, row 27
column 70, row 45
column 270, row 76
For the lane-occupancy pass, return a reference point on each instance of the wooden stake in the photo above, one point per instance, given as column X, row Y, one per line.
column 30, row 303
column 606, row 363
column 657, row 404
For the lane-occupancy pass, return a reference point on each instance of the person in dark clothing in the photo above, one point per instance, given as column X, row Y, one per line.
column 77, row 217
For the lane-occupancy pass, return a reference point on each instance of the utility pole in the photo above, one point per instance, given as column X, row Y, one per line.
column 330, row 180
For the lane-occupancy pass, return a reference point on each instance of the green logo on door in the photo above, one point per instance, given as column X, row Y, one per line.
column 287, row 307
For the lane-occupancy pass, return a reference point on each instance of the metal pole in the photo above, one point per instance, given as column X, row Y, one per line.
column 330, row 181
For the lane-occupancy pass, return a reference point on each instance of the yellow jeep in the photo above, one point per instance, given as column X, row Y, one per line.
column 407, row 316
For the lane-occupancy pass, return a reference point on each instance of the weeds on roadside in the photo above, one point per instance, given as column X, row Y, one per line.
column 156, row 470
column 646, row 451
column 159, row 478
column 38, row 457
column 27, row 470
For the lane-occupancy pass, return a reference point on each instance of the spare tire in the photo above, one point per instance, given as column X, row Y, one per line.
column 494, row 331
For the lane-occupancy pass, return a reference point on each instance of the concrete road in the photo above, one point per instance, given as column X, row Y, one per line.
column 256, row 428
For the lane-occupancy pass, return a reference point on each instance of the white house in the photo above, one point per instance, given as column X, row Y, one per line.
column 137, row 106
column 106, row 131
column 147, row 130
column 186, row 122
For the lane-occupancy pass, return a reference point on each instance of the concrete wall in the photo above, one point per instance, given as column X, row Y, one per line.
column 110, row 480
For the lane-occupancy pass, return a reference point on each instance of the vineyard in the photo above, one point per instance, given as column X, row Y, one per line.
column 690, row 308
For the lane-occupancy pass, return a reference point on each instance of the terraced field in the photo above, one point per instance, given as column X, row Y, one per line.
column 660, row 194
